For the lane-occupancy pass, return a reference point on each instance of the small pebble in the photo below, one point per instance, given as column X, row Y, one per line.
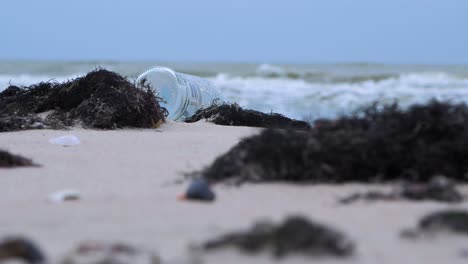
column 199, row 189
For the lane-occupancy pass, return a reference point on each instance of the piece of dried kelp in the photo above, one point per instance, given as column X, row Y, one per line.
column 234, row 115
column 295, row 235
column 438, row 189
column 8, row 160
column 378, row 145
column 100, row 99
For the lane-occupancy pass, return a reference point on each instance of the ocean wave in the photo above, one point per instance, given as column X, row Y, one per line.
column 348, row 74
column 311, row 100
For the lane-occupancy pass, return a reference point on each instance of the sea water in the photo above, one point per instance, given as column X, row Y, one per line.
column 301, row 91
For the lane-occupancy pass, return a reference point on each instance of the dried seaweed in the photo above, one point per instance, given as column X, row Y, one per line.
column 8, row 160
column 376, row 145
column 438, row 189
column 295, row 235
column 20, row 248
column 449, row 221
column 100, row 99
column 97, row 252
column 233, row 115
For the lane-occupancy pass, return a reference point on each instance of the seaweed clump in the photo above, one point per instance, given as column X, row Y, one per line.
column 438, row 189
column 8, row 160
column 94, row 252
column 20, row 248
column 377, row 145
column 295, row 235
column 451, row 221
column 101, row 99
column 234, row 115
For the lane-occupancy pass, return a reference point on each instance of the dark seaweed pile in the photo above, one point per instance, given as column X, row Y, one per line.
column 450, row 220
column 438, row 189
column 8, row 160
column 233, row 115
column 378, row 144
column 20, row 248
column 101, row 99
column 294, row 235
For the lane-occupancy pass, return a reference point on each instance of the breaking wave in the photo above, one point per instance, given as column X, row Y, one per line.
column 300, row 98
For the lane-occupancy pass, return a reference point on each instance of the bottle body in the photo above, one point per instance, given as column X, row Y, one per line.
column 182, row 94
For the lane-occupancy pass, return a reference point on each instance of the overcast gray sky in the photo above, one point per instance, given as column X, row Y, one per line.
column 303, row 31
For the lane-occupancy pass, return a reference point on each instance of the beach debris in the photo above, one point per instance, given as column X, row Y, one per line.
column 200, row 190
column 100, row 99
column 449, row 221
column 234, row 115
column 15, row 122
column 369, row 196
column 66, row 141
column 95, row 252
column 21, row 249
column 295, row 235
column 378, row 144
column 439, row 188
column 8, row 160
column 64, row 196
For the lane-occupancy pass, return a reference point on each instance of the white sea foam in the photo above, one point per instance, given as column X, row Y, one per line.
column 301, row 99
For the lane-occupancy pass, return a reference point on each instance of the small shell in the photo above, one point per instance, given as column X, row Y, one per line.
column 68, row 140
column 64, row 195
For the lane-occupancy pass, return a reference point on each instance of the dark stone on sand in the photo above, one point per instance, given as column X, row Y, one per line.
column 438, row 189
column 8, row 160
column 199, row 189
column 100, row 99
column 20, row 248
column 234, row 115
column 379, row 144
column 295, row 235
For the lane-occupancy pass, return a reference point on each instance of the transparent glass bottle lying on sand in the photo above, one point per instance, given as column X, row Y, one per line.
column 182, row 94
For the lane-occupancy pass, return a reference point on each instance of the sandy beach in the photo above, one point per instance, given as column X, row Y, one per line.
column 129, row 181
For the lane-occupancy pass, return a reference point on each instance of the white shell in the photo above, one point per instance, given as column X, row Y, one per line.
column 68, row 140
column 64, row 195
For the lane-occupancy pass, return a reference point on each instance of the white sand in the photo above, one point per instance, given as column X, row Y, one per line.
column 127, row 181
